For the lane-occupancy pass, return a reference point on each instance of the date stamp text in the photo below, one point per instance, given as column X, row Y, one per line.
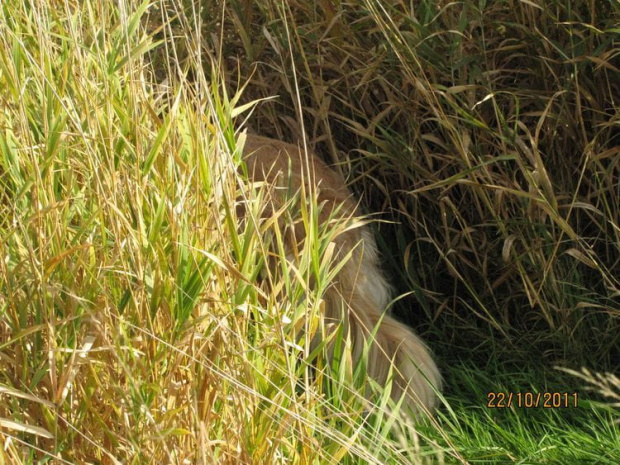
column 532, row 399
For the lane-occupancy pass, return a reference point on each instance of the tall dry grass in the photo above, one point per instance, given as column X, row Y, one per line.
column 133, row 326
column 487, row 131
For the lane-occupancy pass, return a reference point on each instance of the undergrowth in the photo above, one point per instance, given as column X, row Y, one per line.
column 143, row 320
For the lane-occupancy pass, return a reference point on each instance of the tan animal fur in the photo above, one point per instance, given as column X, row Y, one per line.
column 360, row 294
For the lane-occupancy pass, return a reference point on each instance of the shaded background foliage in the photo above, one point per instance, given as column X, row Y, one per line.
column 485, row 134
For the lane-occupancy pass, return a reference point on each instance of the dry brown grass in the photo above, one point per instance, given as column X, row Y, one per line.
column 487, row 132
column 132, row 328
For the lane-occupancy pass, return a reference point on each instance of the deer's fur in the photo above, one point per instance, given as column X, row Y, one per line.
column 359, row 295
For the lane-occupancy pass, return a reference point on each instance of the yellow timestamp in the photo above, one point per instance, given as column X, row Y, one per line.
column 532, row 399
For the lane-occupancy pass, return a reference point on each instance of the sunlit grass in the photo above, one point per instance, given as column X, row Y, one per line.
column 143, row 320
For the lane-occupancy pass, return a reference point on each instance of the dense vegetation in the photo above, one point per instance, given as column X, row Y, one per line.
column 135, row 323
